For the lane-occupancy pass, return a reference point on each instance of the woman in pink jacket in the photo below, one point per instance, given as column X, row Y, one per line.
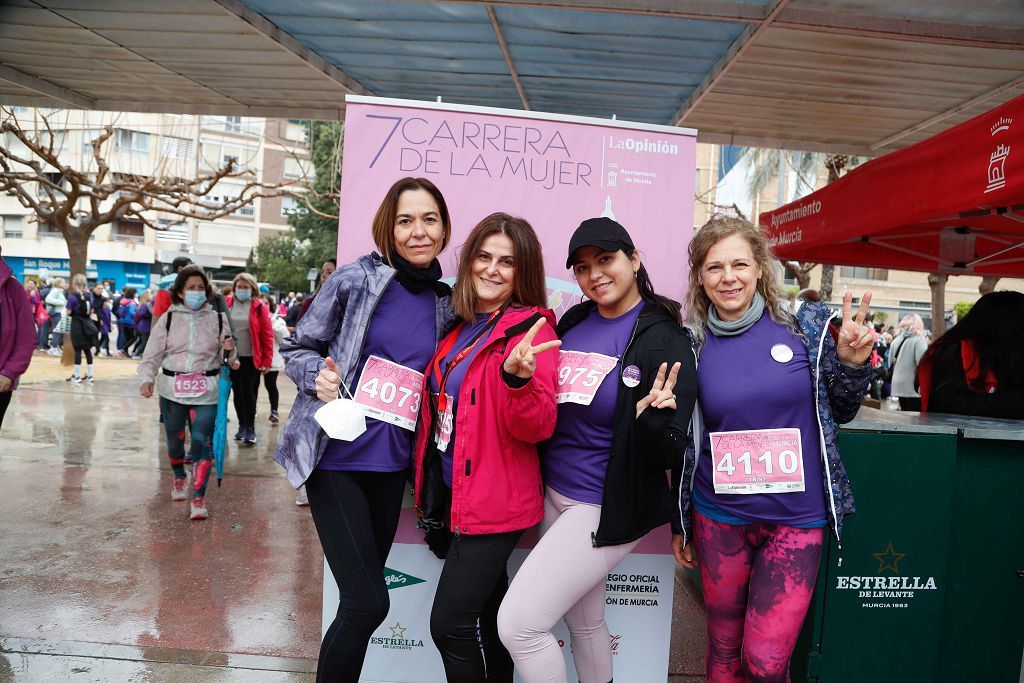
column 254, row 339
column 492, row 389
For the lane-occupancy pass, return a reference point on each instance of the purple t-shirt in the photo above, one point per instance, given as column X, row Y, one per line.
column 453, row 385
column 401, row 330
column 574, row 459
column 742, row 387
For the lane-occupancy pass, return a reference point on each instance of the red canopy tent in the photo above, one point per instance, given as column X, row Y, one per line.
column 953, row 203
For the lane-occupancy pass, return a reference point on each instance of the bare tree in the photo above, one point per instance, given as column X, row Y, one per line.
column 76, row 202
column 801, row 270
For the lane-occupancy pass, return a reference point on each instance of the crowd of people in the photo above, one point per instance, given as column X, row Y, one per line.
column 618, row 418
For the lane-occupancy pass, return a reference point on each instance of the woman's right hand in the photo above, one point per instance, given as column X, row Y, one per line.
column 146, row 390
column 684, row 553
column 328, row 382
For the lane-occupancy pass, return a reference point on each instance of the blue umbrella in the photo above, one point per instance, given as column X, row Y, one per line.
column 220, row 429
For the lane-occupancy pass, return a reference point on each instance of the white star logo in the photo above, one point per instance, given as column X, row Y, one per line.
column 397, row 631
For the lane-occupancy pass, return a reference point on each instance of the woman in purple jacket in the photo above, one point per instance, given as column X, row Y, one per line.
column 17, row 335
column 370, row 332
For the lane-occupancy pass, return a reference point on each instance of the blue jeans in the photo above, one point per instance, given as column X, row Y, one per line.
column 202, row 419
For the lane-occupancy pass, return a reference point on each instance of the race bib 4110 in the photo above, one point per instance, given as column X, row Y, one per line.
column 757, row 461
column 390, row 392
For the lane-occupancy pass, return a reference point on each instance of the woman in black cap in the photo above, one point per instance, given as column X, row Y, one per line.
column 626, row 388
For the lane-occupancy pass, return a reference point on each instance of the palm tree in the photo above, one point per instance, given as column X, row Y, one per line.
column 767, row 165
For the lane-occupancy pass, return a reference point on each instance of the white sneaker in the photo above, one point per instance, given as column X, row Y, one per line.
column 302, row 499
column 74, row 379
column 199, row 510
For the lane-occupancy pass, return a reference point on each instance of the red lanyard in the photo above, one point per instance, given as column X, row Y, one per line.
column 445, row 349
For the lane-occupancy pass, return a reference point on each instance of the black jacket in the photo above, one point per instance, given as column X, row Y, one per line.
column 637, row 494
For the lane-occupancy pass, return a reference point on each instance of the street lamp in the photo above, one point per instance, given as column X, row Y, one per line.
column 311, row 276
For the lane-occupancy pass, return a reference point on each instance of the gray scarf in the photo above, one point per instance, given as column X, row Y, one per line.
column 729, row 328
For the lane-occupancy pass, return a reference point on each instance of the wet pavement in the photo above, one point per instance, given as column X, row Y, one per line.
column 103, row 577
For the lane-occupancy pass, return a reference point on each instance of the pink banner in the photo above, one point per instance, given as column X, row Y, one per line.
column 554, row 171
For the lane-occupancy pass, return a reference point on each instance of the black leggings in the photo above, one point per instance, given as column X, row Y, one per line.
column 356, row 516
column 5, row 400
column 244, row 382
column 910, row 403
column 473, row 583
column 78, row 355
column 270, row 382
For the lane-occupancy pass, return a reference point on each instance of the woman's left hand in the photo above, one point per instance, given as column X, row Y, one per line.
column 227, row 343
column 660, row 395
column 522, row 361
column 855, row 339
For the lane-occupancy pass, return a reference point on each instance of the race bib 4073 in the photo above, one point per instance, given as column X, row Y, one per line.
column 390, row 392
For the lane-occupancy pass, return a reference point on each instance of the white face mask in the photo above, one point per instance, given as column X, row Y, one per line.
column 342, row 419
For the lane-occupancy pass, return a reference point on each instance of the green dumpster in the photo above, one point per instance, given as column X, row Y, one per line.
column 929, row 583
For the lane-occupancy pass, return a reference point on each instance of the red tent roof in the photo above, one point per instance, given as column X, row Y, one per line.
column 953, row 203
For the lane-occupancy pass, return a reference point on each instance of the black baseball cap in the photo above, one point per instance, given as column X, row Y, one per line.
column 603, row 233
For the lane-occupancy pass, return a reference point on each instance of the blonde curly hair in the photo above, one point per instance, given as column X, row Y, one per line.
column 719, row 227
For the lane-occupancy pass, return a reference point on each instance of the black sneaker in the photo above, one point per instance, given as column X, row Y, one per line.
column 74, row 379
column 274, row 417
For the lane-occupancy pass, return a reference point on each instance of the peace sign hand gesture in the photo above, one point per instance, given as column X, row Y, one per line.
column 855, row 339
column 661, row 395
column 522, row 361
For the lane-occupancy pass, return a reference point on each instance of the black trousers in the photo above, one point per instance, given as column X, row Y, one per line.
column 473, row 583
column 270, row 382
column 356, row 516
column 5, row 400
column 244, row 382
column 910, row 403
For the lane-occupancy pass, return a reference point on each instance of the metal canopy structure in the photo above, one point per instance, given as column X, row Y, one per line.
column 859, row 76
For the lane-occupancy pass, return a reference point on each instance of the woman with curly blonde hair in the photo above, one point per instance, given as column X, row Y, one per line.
column 762, row 478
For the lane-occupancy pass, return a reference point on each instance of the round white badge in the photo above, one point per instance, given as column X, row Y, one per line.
column 782, row 353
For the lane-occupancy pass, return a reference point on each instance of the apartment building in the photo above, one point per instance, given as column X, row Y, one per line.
column 127, row 252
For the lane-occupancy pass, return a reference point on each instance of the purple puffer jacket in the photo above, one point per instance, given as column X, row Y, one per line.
column 17, row 327
column 335, row 325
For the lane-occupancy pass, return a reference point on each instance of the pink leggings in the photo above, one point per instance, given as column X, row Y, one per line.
column 758, row 580
column 564, row 575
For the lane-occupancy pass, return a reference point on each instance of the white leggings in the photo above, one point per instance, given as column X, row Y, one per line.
column 563, row 576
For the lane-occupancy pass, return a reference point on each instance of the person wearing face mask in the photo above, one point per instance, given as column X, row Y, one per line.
column 762, row 477
column 626, row 388
column 254, row 337
column 492, row 400
column 181, row 363
column 369, row 333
